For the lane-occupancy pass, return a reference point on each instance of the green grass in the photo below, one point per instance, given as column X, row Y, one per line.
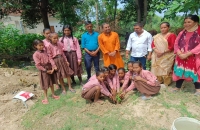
column 72, row 112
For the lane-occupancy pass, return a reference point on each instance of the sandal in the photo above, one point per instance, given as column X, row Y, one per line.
column 64, row 93
column 72, row 90
column 45, row 102
column 174, row 90
column 55, row 97
column 146, row 98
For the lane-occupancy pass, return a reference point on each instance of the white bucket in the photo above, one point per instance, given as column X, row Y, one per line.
column 185, row 123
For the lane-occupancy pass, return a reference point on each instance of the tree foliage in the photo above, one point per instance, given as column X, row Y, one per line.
column 172, row 7
column 37, row 11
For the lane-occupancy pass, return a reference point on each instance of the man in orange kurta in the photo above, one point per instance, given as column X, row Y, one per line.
column 110, row 46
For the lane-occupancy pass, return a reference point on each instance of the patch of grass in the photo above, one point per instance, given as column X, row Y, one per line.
column 183, row 110
column 72, row 113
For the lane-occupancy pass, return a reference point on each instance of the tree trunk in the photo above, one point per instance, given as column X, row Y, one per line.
column 44, row 12
column 145, row 12
column 115, row 12
column 97, row 15
column 139, row 13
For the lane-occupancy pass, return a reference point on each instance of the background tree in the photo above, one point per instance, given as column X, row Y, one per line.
column 34, row 12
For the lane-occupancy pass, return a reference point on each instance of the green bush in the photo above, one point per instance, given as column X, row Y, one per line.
column 13, row 45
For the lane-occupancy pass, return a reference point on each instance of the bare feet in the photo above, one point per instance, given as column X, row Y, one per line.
column 55, row 97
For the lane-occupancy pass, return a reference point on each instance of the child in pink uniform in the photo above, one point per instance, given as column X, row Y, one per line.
column 105, row 70
column 56, row 54
column 93, row 88
column 43, row 64
column 145, row 82
column 46, row 33
column 72, row 52
column 128, row 84
column 113, row 79
column 121, row 73
column 46, row 41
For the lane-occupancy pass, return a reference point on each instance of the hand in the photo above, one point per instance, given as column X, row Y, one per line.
column 55, row 68
column 122, row 81
column 137, row 78
column 127, row 56
column 79, row 63
column 93, row 53
column 183, row 56
column 112, row 53
column 67, row 63
column 90, row 53
column 149, row 57
column 159, row 54
column 114, row 92
column 111, row 97
column 131, row 77
column 123, row 95
column 50, row 71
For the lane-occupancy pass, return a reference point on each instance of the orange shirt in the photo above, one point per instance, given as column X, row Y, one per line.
column 108, row 44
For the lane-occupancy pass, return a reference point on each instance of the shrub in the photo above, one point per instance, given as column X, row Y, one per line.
column 15, row 46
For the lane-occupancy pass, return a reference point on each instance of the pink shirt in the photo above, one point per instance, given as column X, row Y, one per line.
column 121, row 78
column 125, row 86
column 46, row 43
column 54, row 50
column 127, row 78
column 150, row 77
column 41, row 59
column 113, row 82
column 93, row 83
column 74, row 46
column 147, row 75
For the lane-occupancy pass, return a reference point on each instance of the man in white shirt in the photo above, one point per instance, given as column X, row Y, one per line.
column 140, row 43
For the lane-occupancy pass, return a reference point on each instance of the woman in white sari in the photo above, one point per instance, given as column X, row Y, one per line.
column 163, row 55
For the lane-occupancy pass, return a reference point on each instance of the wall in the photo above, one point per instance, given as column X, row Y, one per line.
column 15, row 20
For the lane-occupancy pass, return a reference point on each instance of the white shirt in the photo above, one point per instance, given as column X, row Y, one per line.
column 140, row 44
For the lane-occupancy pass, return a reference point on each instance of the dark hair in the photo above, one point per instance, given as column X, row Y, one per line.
column 112, row 67
column 130, row 62
column 70, row 28
column 104, row 69
column 51, row 34
column 194, row 18
column 104, row 24
column 99, row 72
column 46, row 29
column 138, row 24
column 122, row 69
column 36, row 42
column 138, row 62
column 88, row 22
column 152, row 32
column 167, row 24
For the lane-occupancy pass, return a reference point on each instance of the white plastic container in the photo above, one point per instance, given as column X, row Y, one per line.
column 185, row 123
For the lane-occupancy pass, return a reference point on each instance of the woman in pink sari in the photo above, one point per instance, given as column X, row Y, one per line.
column 187, row 50
column 163, row 56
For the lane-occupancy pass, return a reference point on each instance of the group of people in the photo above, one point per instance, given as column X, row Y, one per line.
column 172, row 57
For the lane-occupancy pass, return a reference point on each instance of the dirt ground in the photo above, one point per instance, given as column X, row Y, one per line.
column 158, row 112
column 12, row 82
